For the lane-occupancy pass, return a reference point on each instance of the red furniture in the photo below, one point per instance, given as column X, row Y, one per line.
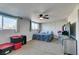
column 17, row 45
column 16, row 36
column 6, row 48
column 16, row 39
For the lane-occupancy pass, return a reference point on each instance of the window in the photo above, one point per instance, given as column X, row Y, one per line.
column 0, row 22
column 9, row 23
column 35, row 26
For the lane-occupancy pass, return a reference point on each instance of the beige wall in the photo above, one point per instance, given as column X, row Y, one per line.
column 24, row 26
column 54, row 26
column 74, row 17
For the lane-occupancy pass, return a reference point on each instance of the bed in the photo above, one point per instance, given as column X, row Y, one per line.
column 43, row 36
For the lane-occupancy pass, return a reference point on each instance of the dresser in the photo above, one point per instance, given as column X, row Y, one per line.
column 69, row 45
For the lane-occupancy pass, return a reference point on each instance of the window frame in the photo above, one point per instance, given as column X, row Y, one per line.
column 4, row 25
column 1, row 23
column 34, row 24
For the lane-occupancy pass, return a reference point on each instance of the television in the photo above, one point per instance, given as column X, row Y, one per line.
column 73, row 30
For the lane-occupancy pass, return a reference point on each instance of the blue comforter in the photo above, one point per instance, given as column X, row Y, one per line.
column 43, row 37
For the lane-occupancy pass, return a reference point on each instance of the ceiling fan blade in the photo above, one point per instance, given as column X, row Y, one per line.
column 46, row 17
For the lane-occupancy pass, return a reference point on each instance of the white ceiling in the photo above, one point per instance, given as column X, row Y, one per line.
column 56, row 11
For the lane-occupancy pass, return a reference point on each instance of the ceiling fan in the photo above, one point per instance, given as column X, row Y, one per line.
column 43, row 16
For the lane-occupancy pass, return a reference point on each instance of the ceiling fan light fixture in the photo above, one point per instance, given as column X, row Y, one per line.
column 41, row 18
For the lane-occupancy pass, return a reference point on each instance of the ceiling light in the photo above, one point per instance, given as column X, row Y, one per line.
column 41, row 18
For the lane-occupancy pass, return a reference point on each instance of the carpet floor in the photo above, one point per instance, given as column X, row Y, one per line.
column 35, row 47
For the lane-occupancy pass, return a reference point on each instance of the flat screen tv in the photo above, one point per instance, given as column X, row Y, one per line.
column 73, row 30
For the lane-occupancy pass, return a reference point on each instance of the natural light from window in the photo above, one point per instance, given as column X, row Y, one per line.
column 9, row 23
column 0, row 22
column 35, row 26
